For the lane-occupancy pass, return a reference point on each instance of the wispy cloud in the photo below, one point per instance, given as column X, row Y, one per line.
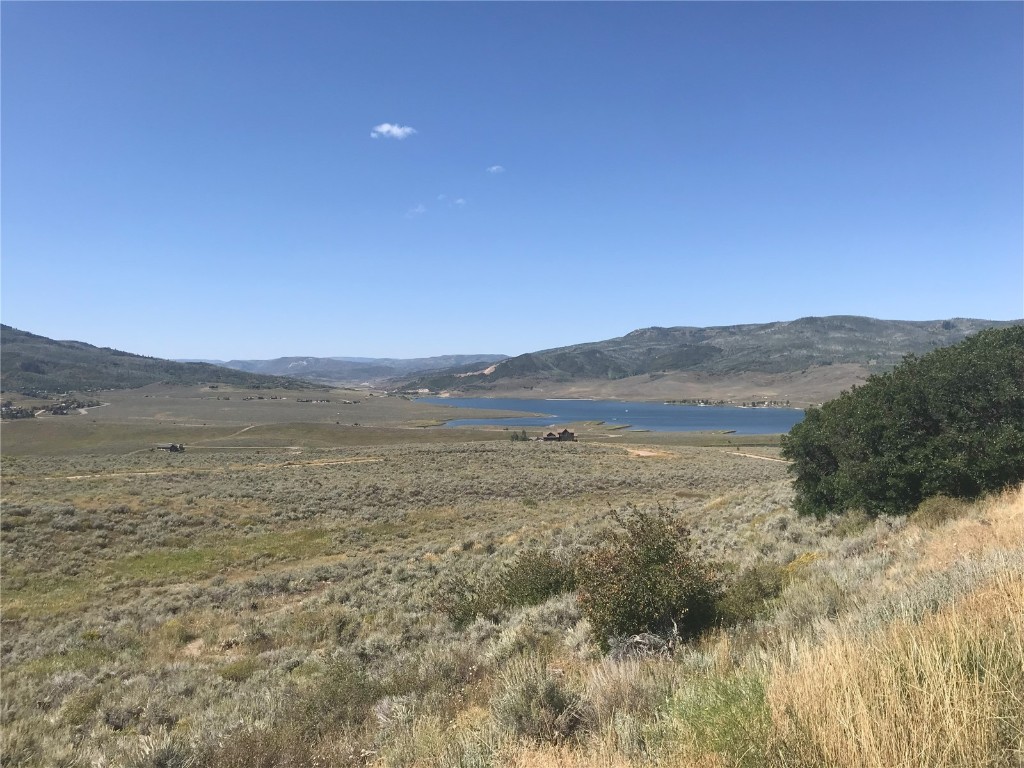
column 451, row 202
column 417, row 210
column 496, row 169
column 392, row 131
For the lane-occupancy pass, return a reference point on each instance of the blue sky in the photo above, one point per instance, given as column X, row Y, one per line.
column 201, row 179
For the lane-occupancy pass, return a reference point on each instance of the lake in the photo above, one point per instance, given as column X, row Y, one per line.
column 656, row 417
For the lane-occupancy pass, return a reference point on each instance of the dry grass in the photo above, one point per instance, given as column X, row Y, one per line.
column 945, row 689
column 948, row 691
column 280, row 608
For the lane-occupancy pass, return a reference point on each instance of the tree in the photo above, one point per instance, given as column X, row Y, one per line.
column 950, row 422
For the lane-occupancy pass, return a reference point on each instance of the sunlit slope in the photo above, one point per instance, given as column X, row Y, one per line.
column 769, row 349
column 36, row 363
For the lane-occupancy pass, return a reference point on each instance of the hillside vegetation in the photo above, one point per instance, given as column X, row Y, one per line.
column 32, row 363
column 769, row 348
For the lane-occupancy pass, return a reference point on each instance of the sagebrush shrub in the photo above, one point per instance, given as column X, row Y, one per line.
column 533, row 577
column 344, row 695
column 936, row 510
column 462, row 600
column 749, row 595
column 536, row 705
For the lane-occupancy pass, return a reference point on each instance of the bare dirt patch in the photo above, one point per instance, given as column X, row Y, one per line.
column 649, row 453
column 763, row 458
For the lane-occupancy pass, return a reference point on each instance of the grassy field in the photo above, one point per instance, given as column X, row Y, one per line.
column 275, row 596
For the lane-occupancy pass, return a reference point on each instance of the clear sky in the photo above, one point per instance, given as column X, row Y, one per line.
column 252, row 180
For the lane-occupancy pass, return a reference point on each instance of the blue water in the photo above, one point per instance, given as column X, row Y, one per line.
column 656, row 417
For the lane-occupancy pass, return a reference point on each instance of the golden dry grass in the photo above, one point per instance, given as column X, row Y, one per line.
column 945, row 690
column 948, row 691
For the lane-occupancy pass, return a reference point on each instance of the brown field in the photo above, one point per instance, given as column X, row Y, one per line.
column 273, row 596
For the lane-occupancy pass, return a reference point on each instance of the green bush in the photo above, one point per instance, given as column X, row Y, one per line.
column 647, row 580
column 533, row 577
column 462, row 600
column 343, row 696
column 724, row 715
column 240, row 670
column 749, row 595
column 950, row 422
column 853, row 523
column 936, row 510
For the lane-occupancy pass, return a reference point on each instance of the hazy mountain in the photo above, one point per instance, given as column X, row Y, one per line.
column 863, row 344
column 348, row 370
column 31, row 363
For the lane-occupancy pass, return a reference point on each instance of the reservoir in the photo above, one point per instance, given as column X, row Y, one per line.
column 655, row 417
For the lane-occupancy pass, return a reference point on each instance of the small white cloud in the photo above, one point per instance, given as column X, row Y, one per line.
column 496, row 169
column 417, row 210
column 392, row 131
column 442, row 197
column 460, row 201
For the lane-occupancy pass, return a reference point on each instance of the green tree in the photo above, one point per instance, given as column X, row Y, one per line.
column 950, row 422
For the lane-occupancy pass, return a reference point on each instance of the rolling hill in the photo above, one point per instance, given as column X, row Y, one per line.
column 831, row 353
column 31, row 363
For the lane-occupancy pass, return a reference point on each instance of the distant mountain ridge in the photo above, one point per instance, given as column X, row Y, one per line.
column 810, row 359
column 342, row 370
column 784, row 347
column 32, row 363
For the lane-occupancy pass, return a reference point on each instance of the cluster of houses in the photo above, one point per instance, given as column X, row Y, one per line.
column 8, row 410
column 59, row 408
column 565, row 436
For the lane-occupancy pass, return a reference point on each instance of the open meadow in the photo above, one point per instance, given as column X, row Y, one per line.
column 342, row 584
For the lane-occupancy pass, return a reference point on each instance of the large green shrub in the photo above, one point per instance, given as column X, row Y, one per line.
column 647, row 580
column 950, row 422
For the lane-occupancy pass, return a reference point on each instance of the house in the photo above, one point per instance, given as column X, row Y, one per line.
column 565, row 436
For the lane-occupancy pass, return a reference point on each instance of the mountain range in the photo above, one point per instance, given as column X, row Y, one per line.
column 806, row 360
column 813, row 358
